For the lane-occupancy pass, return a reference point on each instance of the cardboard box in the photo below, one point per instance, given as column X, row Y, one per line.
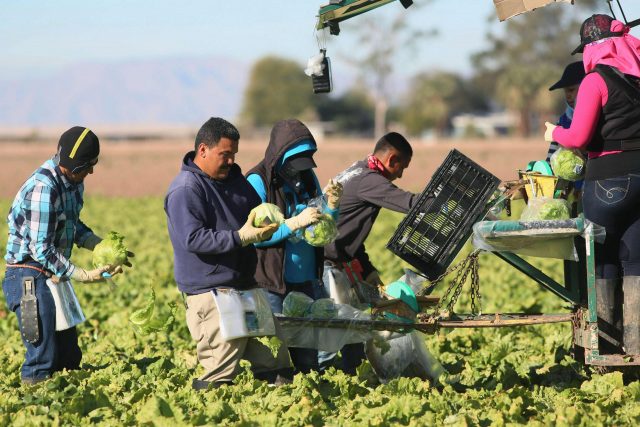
column 508, row 8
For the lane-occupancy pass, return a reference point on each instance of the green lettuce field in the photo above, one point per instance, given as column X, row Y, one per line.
column 514, row 376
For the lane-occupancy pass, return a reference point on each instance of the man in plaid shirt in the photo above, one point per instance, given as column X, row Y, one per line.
column 44, row 223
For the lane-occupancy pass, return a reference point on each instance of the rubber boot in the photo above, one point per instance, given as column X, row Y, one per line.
column 609, row 303
column 631, row 314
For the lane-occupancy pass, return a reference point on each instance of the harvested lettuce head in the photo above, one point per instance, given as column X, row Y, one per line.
column 567, row 164
column 267, row 213
column 296, row 304
column 322, row 232
column 111, row 251
column 323, row 308
column 544, row 209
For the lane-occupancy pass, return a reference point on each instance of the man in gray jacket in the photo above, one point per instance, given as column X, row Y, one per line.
column 368, row 186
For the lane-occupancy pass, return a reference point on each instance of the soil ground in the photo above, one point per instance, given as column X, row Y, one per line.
column 135, row 168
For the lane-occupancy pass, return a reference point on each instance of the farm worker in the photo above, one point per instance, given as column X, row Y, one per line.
column 208, row 208
column 606, row 123
column 569, row 83
column 286, row 262
column 44, row 223
column 368, row 186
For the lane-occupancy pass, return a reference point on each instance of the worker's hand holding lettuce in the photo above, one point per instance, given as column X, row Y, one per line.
column 250, row 234
column 305, row 218
column 109, row 255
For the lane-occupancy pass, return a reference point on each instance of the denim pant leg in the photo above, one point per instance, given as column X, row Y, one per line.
column 352, row 356
column 613, row 203
column 40, row 357
column 68, row 354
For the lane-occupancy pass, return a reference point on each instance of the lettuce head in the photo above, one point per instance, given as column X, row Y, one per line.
column 544, row 209
column 296, row 304
column 267, row 213
column 567, row 164
column 322, row 232
column 324, row 308
column 111, row 251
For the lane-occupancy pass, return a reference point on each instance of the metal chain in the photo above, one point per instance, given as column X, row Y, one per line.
column 469, row 264
column 475, row 287
column 448, row 271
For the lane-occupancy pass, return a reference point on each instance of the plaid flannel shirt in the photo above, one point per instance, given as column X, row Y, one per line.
column 44, row 220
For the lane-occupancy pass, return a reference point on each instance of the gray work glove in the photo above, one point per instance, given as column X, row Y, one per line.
column 250, row 234
column 304, row 219
column 95, row 275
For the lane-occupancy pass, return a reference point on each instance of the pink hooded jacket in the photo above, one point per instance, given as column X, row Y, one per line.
column 622, row 53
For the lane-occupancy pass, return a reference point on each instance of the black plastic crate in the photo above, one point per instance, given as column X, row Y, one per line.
column 439, row 224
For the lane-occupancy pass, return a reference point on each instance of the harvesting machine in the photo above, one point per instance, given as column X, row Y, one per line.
column 453, row 206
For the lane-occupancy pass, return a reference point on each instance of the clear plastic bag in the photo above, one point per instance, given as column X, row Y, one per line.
column 325, row 230
column 568, row 164
column 415, row 281
column 296, row 304
column 323, row 308
column 545, row 209
column 337, row 285
column 404, row 356
column 331, row 339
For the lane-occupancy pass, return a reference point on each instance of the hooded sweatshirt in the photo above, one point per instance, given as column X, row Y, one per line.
column 203, row 216
column 594, row 106
column 282, row 259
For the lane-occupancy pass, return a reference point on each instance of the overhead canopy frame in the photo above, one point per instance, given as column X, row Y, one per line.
column 336, row 11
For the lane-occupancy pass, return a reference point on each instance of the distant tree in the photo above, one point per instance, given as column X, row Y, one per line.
column 277, row 89
column 351, row 113
column 434, row 97
column 380, row 42
column 533, row 49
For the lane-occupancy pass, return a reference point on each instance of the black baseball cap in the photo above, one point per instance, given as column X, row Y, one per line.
column 78, row 149
column 594, row 28
column 302, row 161
column 571, row 76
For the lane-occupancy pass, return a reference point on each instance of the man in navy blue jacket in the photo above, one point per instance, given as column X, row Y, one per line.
column 206, row 206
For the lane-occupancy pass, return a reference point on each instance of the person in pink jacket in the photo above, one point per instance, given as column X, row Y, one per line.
column 606, row 123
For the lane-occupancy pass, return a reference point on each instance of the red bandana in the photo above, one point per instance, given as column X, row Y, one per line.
column 375, row 164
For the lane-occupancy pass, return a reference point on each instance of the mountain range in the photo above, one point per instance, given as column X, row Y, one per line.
column 175, row 90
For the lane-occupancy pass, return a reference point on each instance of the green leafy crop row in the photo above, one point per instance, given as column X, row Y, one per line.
column 518, row 375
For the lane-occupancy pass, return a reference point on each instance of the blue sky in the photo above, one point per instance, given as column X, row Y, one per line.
column 37, row 37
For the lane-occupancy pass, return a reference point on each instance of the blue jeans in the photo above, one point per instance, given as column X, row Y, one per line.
column 303, row 359
column 54, row 351
column 614, row 203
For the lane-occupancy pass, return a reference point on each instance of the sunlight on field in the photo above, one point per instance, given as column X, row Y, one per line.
column 518, row 375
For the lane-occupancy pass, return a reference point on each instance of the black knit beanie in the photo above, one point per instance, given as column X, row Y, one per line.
column 78, row 149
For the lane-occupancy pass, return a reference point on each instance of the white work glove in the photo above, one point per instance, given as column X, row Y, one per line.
column 548, row 134
column 333, row 191
column 95, row 275
column 250, row 234
column 91, row 242
column 305, row 218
